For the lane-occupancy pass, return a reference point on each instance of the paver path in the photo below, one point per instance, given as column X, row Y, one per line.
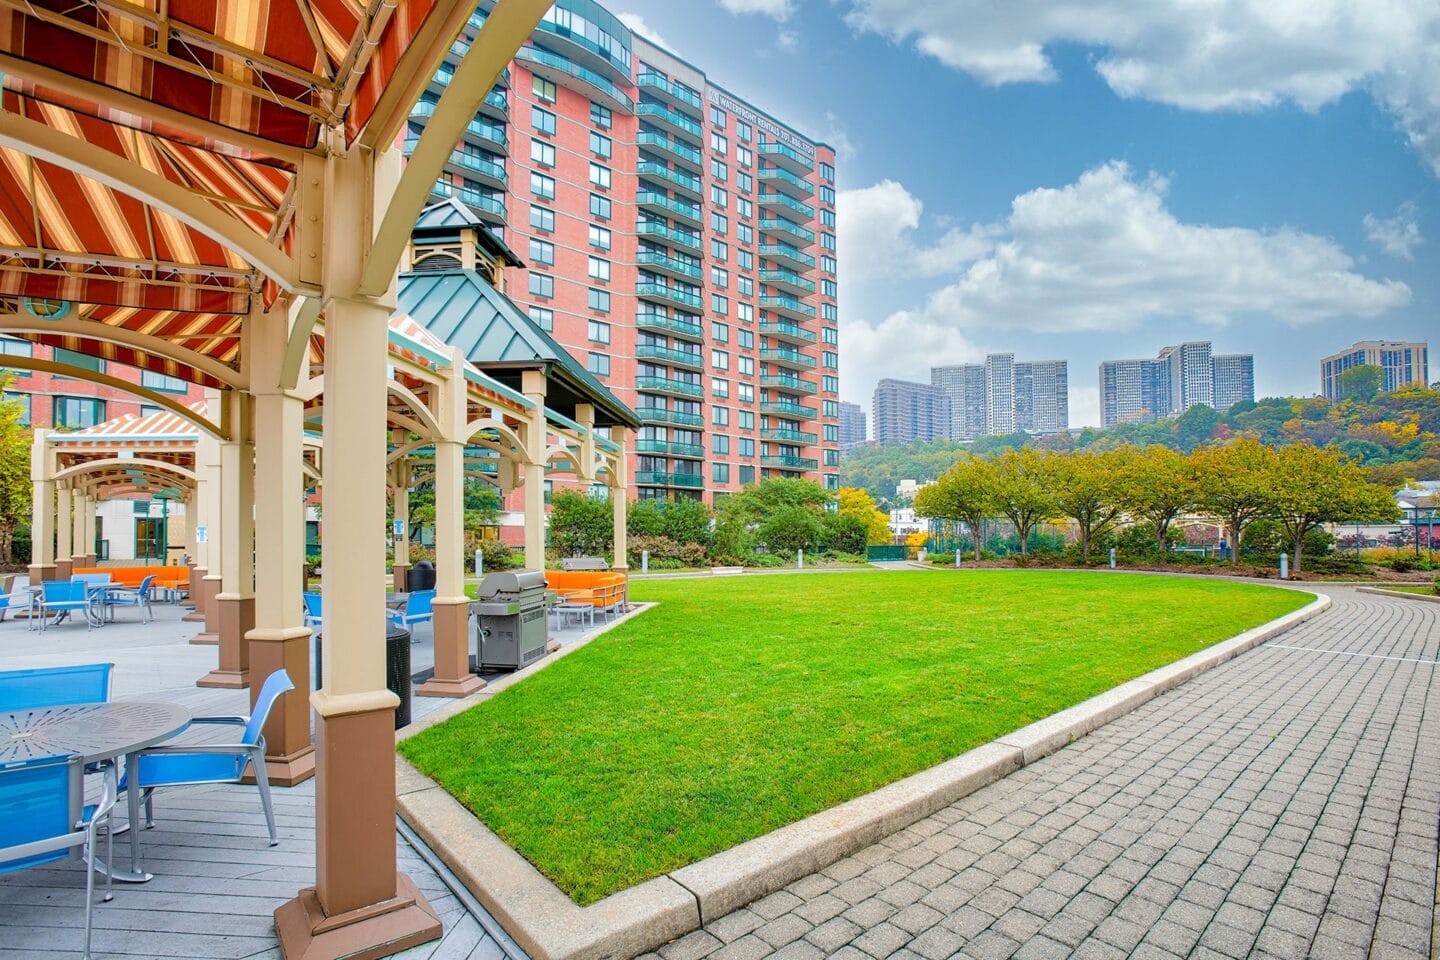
column 1283, row 805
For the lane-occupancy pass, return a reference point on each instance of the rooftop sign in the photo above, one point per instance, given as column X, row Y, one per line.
column 728, row 103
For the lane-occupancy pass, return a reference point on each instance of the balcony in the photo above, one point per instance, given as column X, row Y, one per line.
column 793, row 359
column 791, row 333
column 588, row 83
column 489, row 208
column 788, row 307
column 787, row 157
column 686, row 240
column 789, row 385
column 674, row 388
column 681, row 152
column 666, row 448
column 492, row 134
column 663, row 206
column 786, row 182
column 674, row 94
column 795, row 411
column 798, row 437
column 660, row 291
column 652, row 478
column 785, row 230
column 790, row 463
column 664, row 415
column 650, row 170
column 786, row 255
column 659, row 323
column 676, row 123
column 787, row 280
column 585, row 50
column 660, row 262
column 787, row 207
column 676, row 358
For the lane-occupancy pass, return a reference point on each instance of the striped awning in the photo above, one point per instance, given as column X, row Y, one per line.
column 162, row 427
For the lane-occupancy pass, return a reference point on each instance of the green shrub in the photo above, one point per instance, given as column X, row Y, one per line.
column 764, row 560
column 1403, row 564
column 498, row 556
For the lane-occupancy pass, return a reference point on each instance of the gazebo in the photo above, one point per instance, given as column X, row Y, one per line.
column 190, row 190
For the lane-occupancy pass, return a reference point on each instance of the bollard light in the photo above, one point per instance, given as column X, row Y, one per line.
column 1112, row 558
column 645, row 561
column 800, row 559
column 1284, row 566
column 957, row 559
column 479, row 563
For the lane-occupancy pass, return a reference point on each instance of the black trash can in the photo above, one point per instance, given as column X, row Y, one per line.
column 397, row 669
column 420, row 577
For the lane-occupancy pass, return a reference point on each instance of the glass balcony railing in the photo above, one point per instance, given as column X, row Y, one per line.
column 779, row 201
column 788, row 157
column 682, row 151
column 799, row 437
column 788, row 358
column 493, row 132
column 651, row 289
column 617, row 59
column 556, row 62
column 679, row 208
column 680, row 358
column 788, row 229
column 665, row 415
column 785, row 253
column 796, row 410
column 788, row 306
column 654, row 478
column 684, row 181
column 671, row 235
column 473, row 198
column 674, row 91
column 660, row 322
column 788, row 279
column 788, row 332
column 791, row 384
column 663, row 114
column 668, row 385
column 790, row 463
column 670, row 449
column 783, row 179
column 655, row 260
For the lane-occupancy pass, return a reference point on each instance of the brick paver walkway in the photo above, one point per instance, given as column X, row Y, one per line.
column 1284, row 805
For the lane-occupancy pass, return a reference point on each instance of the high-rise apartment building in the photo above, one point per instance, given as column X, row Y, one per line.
column 852, row 425
column 1181, row 377
column 905, row 412
column 677, row 240
column 1003, row 395
column 1404, row 363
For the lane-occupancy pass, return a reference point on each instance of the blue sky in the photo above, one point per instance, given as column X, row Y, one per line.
column 1093, row 179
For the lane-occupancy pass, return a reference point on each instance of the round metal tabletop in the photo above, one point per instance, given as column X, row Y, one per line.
column 96, row 731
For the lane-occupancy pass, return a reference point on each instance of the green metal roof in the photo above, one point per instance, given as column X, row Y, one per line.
column 450, row 217
column 459, row 307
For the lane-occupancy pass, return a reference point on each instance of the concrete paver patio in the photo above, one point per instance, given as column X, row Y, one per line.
column 1284, row 805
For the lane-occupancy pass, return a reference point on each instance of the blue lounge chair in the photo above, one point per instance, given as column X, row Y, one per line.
column 188, row 764
column 137, row 597
column 54, row 686
column 312, row 608
column 39, row 800
column 417, row 609
column 63, row 597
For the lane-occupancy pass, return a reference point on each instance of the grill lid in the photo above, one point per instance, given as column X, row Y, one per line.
column 510, row 584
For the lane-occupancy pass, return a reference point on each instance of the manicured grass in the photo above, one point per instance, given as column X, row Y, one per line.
column 740, row 705
column 1423, row 588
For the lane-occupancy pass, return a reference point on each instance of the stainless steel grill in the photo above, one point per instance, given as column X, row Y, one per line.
column 510, row 619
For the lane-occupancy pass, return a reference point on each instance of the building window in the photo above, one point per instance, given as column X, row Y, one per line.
column 720, row 306
column 744, row 156
column 830, row 384
column 16, row 348
column 827, row 195
column 745, row 312
column 745, row 393
column 827, row 173
column 832, row 433
column 720, row 472
column 600, row 176
column 600, row 302
column 743, row 181
column 746, row 366
column 827, row 264
column 543, row 121
column 718, row 196
column 542, row 252
column 828, row 288
column 542, row 219
column 23, row 400
column 745, row 234
column 828, row 311
column 827, row 218
column 747, row 447
column 543, row 89
column 84, row 362
column 744, row 208
column 718, row 117
column 830, row 408
column 163, row 383
column 601, row 116
column 719, row 223
column 742, row 131
column 718, row 144
column 719, row 332
column 717, row 170
column 543, row 317
column 598, row 331
column 830, row 359
column 599, row 207
column 719, row 359
column 599, row 269
column 542, row 186
column 719, row 389
column 827, row 240
column 720, row 444
column 745, row 338
column 599, row 237
column 149, row 409
column 745, row 286
column 830, row 335
column 599, row 364
column 78, row 411
column 747, row 475
column 719, row 249
column 747, row 420
column 600, row 145
column 542, row 153
column 719, row 277
column 720, row 416
column 542, row 285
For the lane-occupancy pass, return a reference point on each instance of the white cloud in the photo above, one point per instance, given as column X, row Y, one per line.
column 787, row 40
column 1218, row 55
column 876, row 231
column 1398, row 235
column 637, row 23
column 778, row 9
column 904, row 345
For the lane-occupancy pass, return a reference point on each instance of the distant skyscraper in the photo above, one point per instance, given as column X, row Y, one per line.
column 964, row 384
column 1134, row 391
column 1192, row 379
column 905, row 412
column 1000, row 393
column 852, row 425
column 1003, row 395
column 1234, row 376
column 1403, row 362
column 1042, row 396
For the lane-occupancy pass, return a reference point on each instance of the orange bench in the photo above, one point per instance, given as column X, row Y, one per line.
column 600, row 589
column 166, row 578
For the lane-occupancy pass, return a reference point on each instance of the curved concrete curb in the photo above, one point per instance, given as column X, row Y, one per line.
column 549, row 926
column 1382, row 592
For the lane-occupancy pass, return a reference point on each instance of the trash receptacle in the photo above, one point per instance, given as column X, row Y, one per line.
column 397, row 669
column 420, row 577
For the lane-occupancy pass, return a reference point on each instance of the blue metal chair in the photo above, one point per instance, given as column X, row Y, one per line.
column 174, row 765
column 312, row 609
column 63, row 597
column 43, row 819
column 417, row 609
column 54, row 686
column 138, row 597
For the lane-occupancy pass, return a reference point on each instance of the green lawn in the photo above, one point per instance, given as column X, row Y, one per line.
column 739, row 705
column 1423, row 588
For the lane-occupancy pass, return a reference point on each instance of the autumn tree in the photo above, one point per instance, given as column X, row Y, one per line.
column 1232, row 482
column 964, row 494
column 857, row 503
column 1360, row 383
column 15, row 484
column 1158, row 486
column 1309, row 487
column 1024, row 491
column 1089, row 489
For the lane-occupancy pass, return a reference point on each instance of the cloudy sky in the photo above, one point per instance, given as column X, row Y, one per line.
column 1093, row 179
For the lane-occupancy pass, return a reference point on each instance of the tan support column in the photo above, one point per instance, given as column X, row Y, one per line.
column 192, row 550
column 78, row 553
column 452, row 608
column 42, row 507
column 64, row 531
column 92, row 529
column 235, row 604
column 619, row 492
column 207, row 468
column 533, row 383
column 400, row 484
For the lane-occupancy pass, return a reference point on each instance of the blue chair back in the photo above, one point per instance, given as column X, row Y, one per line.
column 35, row 805
column 91, row 578
column 144, row 590
column 277, row 683
column 63, row 591
column 418, row 603
column 54, row 686
column 312, row 604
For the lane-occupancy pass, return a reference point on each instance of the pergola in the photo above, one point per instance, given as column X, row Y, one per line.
column 189, row 188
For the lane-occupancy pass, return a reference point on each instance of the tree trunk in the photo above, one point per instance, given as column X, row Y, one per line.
column 975, row 536
column 1235, row 544
column 1084, row 546
column 1162, row 539
column 1024, row 534
column 1299, row 544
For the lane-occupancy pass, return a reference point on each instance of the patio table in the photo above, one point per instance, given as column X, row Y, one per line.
column 97, row 732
